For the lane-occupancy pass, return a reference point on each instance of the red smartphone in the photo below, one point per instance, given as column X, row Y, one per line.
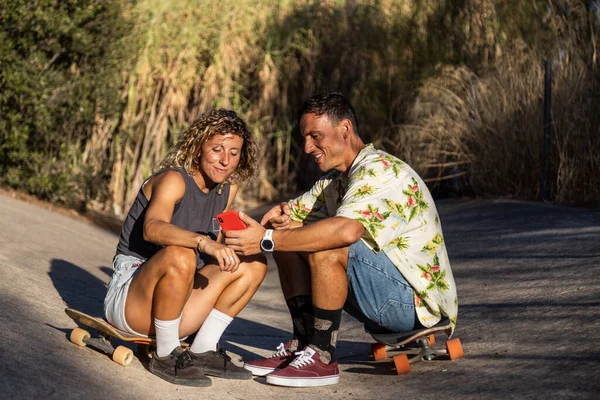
column 230, row 221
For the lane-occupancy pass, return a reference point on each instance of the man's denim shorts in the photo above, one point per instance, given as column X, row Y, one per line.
column 378, row 294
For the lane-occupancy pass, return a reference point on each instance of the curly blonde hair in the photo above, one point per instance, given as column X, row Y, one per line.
column 185, row 153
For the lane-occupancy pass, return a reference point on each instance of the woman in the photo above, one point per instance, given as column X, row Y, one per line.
column 172, row 275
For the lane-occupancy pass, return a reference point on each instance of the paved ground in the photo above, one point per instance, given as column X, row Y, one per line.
column 529, row 313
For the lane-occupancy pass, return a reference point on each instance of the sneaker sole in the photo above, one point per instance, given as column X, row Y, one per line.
column 219, row 373
column 183, row 382
column 302, row 382
column 259, row 371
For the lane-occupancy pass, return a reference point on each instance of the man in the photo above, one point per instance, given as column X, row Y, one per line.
column 366, row 238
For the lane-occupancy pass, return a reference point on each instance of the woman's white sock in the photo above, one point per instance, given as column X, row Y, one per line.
column 211, row 331
column 167, row 336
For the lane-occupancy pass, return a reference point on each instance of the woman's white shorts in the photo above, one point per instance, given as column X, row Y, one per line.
column 124, row 269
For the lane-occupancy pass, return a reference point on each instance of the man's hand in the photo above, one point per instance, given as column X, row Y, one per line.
column 246, row 241
column 278, row 216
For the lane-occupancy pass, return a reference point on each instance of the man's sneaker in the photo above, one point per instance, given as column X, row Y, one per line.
column 218, row 363
column 306, row 370
column 178, row 367
column 264, row 366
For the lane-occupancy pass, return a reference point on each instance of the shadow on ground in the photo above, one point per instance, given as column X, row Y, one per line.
column 83, row 291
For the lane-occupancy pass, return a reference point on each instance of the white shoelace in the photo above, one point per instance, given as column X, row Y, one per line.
column 281, row 351
column 304, row 358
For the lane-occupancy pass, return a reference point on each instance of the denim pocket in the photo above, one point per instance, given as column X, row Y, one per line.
column 398, row 315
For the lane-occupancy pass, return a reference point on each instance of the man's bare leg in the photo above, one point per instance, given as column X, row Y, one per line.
column 328, row 278
column 312, row 282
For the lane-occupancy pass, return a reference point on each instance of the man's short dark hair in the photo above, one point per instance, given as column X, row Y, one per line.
column 332, row 104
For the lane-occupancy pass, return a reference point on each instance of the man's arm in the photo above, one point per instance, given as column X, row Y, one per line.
column 330, row 233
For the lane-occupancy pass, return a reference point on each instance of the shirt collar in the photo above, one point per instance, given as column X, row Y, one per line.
column 368, row 149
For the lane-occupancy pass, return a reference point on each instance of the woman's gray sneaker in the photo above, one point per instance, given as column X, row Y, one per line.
column 178, row 368
column 218, row 363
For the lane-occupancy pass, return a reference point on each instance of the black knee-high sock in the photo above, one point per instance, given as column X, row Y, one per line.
column 301, row 309
column 325, row 332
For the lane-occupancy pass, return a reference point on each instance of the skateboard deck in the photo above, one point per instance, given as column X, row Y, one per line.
column 106, row 334
column 417, row 343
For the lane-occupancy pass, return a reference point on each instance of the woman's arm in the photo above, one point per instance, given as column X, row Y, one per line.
column 163, row 192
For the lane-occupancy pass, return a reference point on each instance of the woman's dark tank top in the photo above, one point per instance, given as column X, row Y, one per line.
column 194, row 212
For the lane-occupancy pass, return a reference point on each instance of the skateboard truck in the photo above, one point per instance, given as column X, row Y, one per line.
column 421, row 339
column 120, row 354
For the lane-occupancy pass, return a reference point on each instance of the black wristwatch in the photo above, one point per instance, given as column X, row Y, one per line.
column 267, row 244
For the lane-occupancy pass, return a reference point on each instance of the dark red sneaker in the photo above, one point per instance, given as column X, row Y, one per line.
column 306, row 370
column 264, row 366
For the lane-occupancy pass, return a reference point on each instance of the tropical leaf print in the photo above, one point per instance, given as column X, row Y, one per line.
column 434, row 275
column 390, row 162
column 362, row 171
column 434, row 244
column 418, row 301
column 372, row 219
column 319, row 201
column 396, row 208
column 400, row 242
column 421, row 299
column 415, row 202
column 299, row 211
column 364, row 191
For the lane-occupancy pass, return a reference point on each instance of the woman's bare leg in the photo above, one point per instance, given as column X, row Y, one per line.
column 224, row 291
column 161, row 289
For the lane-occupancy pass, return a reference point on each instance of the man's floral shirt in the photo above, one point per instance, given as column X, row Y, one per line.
column 400, row 219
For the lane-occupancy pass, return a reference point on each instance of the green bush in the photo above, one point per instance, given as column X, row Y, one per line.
column 59, row 64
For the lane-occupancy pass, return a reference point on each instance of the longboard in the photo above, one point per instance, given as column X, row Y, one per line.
column 106, row 334
column 423, row 338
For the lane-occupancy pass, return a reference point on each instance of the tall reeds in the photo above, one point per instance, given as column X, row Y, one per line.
column 452, row 87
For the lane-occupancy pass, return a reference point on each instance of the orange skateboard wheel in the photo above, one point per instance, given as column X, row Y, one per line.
column 431, row 340
column 402, row 364
column 379, row 352
column 455, row 349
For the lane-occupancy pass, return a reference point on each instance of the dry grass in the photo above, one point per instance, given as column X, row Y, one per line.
column 447, row 86
column 486, row 134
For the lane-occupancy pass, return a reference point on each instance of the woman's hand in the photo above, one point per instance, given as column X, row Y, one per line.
column 225, row 256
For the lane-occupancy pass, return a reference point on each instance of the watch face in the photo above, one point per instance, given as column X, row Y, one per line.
column 267, row 245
